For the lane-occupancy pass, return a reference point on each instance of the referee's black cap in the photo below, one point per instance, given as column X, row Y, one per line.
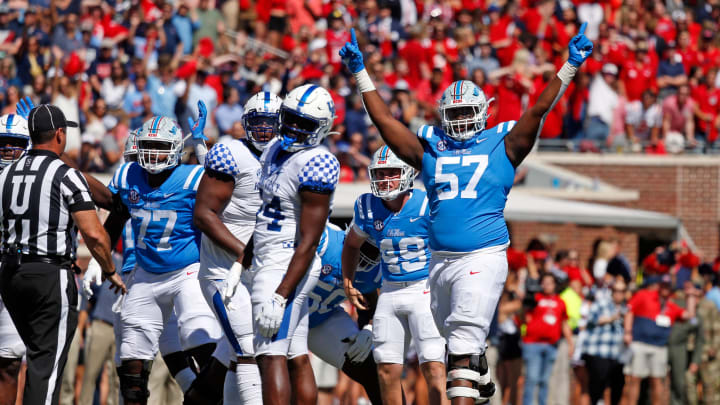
column 46, row 117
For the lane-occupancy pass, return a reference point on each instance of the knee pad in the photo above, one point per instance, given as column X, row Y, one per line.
column 134, row 387
column 476, row 373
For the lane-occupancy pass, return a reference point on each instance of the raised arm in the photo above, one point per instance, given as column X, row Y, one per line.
column 397, row 136
column 519, row 142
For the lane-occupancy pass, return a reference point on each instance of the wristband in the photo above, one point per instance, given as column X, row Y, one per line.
column 110, row 274
column 364, row 83
column 567, row 72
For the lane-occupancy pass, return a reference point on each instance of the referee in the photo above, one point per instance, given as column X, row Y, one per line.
column 44, row 202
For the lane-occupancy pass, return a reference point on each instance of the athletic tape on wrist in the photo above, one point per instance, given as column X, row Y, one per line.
column 567, row 72
column 364, row 82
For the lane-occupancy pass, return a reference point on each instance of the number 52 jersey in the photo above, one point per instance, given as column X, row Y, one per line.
column 162, row 217
column 467, row 184
column 282, row 177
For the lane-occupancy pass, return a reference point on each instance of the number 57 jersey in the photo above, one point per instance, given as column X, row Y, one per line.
column 282, row 177
column 467, row 184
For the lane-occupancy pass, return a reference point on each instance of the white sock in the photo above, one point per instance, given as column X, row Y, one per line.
column 243, row 386
column 185, row 378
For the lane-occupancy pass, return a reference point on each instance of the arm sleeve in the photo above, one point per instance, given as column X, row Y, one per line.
column 320, row 174
column 358, row 221
column 75, row 192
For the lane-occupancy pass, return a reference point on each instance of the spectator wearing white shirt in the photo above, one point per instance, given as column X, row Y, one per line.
column 643, row 122
column 602, row 103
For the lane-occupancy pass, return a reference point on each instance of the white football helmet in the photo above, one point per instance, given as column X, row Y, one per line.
column 306, row 117
column 14, row 138
column 260, row 118
column 131, row 150
column 385, row 158
column 160, row 144
column 461, row 100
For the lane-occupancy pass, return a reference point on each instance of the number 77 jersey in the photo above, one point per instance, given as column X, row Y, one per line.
column 467, row 184
column 162, row 217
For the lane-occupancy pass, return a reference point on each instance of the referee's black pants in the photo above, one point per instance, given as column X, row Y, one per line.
column 42, row 301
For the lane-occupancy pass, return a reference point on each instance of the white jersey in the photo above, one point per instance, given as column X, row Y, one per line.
column 231, row 158
column 283, row 176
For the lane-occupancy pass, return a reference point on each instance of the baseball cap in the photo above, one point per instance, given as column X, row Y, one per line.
column 609, row 68
column 46, row 117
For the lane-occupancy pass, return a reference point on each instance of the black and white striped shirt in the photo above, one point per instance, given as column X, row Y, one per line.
column 37, row 195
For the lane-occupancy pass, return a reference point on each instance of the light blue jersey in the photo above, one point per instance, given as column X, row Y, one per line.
column 467, row 184
column 162, row 218
column 325, row 299
column 128, row 248
column 401, row 237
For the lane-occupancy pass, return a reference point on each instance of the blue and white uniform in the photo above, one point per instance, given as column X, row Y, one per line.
column 403, row 309
column 167, row 256
column 170, row 337
column 234, row 160
column 329, row 323
column 467, row 186
column 283, row 176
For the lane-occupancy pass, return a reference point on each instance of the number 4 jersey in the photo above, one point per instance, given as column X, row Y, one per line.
column 283, row 176
column 402, row 237
column 467, row 184
column 161, row 218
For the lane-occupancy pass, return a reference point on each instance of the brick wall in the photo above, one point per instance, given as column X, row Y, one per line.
column 572, row 236
column 685, row 187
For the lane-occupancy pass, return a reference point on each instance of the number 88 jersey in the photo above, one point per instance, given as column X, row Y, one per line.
column 282, row 177
column 402, row 237
column 467, row 183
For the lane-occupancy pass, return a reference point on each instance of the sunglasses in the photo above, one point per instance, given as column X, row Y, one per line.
column 619, row 290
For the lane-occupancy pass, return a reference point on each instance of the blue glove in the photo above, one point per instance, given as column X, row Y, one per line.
column 23, row 107
column 580, row 47
column 351, row 55
column 198, row 127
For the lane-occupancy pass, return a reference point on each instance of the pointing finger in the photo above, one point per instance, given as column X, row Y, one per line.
column 352, row 36
column 582, row 28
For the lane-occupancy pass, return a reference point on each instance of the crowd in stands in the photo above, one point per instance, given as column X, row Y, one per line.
column 651, row 86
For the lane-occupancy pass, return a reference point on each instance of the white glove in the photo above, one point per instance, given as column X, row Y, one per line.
column 361, row 344
column 231, row 282
column 93, row 274
column 271, row 315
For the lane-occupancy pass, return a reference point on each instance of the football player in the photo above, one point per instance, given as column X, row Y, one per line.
column 227, row 202
column 395, row 218
column 14, row 141
column 169, row 342
column 157, row 194
column 297, row 181
column 334, row 337
column 468, row 171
